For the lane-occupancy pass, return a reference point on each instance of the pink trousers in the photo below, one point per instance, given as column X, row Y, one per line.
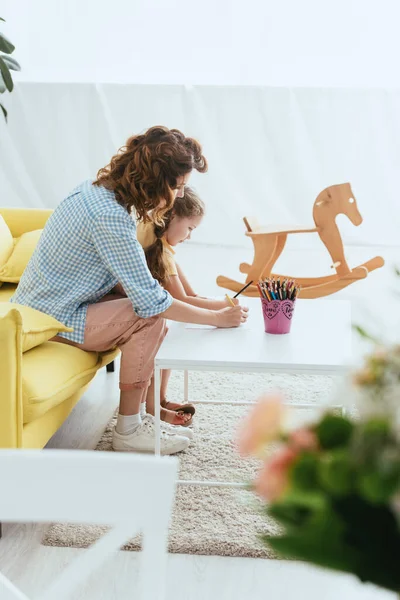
column 111, row 323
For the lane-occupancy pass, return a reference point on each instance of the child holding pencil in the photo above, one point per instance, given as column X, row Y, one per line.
column 158, row 243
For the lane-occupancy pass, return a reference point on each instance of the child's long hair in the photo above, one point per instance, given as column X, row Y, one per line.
column 188, row 206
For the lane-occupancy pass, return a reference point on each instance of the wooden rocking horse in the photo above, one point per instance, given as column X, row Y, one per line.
column 270, row 241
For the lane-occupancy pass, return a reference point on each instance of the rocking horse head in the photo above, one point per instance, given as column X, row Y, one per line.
column 336, row 200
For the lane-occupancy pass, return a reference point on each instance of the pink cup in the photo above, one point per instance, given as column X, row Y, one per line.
column 277, row 315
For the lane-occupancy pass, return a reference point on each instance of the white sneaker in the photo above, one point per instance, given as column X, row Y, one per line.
column 143, row 440
column 174, row 429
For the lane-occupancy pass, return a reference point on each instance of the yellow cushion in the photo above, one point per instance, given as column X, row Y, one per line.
column 51, row 373
column 6, row 291
column 37, row 327
column 6, row 242
column 23, row 249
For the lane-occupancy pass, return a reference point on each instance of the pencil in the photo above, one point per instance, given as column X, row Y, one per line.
column 242, row 290
column 231, row 302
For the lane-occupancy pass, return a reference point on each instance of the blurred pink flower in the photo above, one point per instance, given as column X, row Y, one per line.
column 303, row 439
column 273, row 479
column 261, row 426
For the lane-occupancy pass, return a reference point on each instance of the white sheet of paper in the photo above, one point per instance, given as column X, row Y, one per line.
column 195, row 326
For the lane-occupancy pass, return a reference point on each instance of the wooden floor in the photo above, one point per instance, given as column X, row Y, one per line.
column 30, row 565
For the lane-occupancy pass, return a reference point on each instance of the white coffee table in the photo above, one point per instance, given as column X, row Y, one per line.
column 319, row 343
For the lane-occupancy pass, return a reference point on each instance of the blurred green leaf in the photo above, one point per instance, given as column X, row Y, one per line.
column 376, row 430
column 334, row 431
column 303, row 474
column 378, row 487
column 6, row 75
column 289, row 514
column 336, row 473
column 4, row 111
column 373, row 439
column 364, row 334
column 313, row 547
column 5, row 45
column 296, row 507
column 348, row 534
column 372, row 530
column 310, row 542
column 11, row 63
column 2, row 84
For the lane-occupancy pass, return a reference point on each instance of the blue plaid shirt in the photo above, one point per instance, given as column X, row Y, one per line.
column 88, row 245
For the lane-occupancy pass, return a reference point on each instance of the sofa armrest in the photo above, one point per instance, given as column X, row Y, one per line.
column 11, row 411
column 21, row 220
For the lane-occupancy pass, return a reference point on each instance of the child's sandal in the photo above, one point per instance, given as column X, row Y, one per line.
column 183, row 409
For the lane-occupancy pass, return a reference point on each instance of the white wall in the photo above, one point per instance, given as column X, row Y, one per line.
column 271, row 149
column 268, row 42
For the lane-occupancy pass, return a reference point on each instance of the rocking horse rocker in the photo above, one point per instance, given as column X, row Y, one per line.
column 270, row 241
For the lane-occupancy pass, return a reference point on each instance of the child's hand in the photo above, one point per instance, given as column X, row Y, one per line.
column 232, row 317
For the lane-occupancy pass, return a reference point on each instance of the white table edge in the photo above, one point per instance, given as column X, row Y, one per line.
column 184, row 365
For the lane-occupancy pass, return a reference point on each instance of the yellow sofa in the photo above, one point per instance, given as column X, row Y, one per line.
column 39, row 387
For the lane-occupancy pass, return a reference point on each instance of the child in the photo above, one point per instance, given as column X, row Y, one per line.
column 158, row 243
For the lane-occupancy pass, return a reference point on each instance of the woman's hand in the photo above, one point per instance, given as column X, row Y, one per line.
column 232, row 316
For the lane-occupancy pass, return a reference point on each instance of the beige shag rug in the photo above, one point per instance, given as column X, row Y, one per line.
column 213, row 521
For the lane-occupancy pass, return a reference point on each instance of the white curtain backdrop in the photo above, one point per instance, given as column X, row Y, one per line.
column 270, row 150
column 286, row 97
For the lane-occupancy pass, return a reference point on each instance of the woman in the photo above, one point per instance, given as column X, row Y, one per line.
column 89, row 244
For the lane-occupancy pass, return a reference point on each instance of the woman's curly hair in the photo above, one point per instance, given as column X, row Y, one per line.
column 146, row 170
column 188, row 206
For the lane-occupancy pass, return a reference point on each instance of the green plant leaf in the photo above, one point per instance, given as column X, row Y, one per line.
column 335, row 473
column 11, row 63
column 371, row 530
column 1, row 19
column 378, row 487
column 312, row 547
column 377, row 429
column 297, row 507
column 321, row 540
column 304, row 472
column 5, row 45
column 6, row 75
column 2, row 84
column 364, row 334
column 4, row 111
column 348, row 535
column 334, row 431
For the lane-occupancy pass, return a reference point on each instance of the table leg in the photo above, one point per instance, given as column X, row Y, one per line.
column 157, row 410
column 186, row 386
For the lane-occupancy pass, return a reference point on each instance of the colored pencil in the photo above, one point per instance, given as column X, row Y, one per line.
column 231, row 302
column 242, row 290
column 276, row 289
